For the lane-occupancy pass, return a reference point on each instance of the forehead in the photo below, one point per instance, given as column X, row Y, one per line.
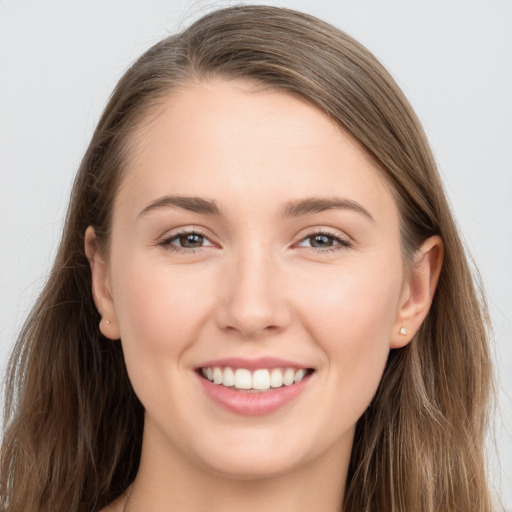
column 234, row 139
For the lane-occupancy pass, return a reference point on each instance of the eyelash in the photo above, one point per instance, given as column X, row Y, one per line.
column 341, row 243
column 167, row 243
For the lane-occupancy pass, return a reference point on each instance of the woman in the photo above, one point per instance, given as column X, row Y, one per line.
column 260, row 299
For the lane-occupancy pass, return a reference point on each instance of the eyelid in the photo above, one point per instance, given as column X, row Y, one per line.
column 323, row 230
column 165, row 240
column 343, row 241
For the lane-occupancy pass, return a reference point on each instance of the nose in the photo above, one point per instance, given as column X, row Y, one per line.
column 252, row 299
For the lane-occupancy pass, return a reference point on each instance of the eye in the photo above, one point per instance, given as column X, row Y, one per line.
column 324, row 242
column 186, row 241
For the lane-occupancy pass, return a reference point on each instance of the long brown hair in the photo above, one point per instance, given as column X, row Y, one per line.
column 73, row 425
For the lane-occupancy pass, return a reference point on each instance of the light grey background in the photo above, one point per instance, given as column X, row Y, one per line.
column 60, row 60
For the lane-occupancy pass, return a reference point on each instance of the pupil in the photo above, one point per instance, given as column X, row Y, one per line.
column 191, row 240
column 322, row 241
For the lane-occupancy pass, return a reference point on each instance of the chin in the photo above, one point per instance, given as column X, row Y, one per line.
column 252, row 469
column 258, row 455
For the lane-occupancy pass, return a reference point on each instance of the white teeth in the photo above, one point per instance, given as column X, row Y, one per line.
column 298, row 375
column 217, row 375
column 228, row 377
column 261, row 379
column 288, row 377
column 243, row 379
column 276, row 378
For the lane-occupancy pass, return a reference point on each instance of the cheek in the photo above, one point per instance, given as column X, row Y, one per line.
column 351, row 316
column 159, row 305
column 356, row 299
column 160, row 312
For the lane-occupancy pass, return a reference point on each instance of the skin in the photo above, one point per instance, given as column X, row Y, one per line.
column 260, row 285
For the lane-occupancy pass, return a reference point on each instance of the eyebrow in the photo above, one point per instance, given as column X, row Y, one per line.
column 296, row 208
column 320, row 204
column 193, row 204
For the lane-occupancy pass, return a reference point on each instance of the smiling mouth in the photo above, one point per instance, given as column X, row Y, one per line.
column 242, row 379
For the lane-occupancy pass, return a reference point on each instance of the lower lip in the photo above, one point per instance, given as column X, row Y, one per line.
column 254, row 403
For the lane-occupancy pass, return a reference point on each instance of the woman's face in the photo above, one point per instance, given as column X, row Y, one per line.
column 251, row 235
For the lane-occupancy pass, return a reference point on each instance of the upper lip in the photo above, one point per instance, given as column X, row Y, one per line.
column 252, row 364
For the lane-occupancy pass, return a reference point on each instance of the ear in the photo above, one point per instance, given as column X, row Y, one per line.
column 418, row 291
column 101, row 286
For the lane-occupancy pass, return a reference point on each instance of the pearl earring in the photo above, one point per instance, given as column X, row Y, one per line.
column 404, row 331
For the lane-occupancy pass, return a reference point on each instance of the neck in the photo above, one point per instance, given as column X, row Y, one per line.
column 168, row 482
